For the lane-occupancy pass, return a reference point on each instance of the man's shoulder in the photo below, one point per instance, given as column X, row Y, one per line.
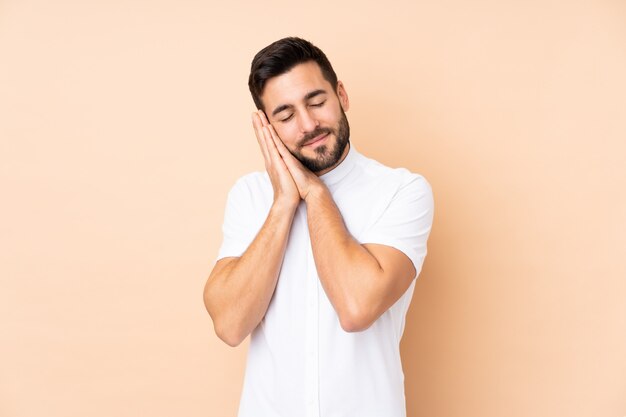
column 385, row 174
column 252, row 182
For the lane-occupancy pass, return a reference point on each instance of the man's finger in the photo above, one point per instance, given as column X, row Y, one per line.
column 277, row 141
column 273, row 152
column 256, row 123
column 289, row 159
column 263, row 118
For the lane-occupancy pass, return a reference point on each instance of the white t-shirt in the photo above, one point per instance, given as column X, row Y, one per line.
column 301, row 363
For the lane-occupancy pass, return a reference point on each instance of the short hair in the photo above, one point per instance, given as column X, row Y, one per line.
column 280, row 57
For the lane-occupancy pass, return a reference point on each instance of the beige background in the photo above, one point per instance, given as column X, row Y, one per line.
column 124, row 123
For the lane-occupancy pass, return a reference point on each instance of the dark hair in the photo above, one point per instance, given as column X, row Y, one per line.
column 280, row 57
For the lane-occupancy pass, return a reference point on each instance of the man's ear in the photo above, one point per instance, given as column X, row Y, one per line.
column 343, row 96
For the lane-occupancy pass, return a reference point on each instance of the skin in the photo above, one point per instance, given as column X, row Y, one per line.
column 361, row 280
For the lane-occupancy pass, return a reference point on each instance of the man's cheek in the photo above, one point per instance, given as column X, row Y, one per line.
column 288, row 139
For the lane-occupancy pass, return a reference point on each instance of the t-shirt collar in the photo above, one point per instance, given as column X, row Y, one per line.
column 336, row 174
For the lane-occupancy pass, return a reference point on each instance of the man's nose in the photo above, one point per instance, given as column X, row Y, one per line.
column 307, row 122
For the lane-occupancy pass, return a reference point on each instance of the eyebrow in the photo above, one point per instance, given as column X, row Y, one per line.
column 314, row 93
column 308, row 96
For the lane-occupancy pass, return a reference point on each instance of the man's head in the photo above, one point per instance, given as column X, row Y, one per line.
column 293, row 82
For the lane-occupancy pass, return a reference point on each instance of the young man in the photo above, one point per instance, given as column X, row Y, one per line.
column 320, row 252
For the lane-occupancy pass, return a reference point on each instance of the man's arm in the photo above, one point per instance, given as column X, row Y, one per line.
column 361, row 280
column 238, row 290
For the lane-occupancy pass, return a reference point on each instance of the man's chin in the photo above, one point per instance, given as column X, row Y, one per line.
column 326, row 158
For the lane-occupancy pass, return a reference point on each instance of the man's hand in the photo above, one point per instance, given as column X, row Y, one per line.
column 305, row 180
column 285, row 189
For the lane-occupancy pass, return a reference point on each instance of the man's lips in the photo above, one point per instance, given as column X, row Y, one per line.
column 317, row 139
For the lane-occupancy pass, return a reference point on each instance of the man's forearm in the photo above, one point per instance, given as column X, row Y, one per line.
column 238, row 295
column 347, row 271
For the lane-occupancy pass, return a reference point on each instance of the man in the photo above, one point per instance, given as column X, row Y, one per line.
column 320, row 252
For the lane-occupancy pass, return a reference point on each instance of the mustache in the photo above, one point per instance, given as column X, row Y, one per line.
column 315, row 133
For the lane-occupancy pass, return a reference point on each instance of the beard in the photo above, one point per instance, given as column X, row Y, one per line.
column 328, row 154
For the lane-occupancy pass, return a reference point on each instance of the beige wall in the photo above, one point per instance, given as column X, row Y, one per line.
column 124, row 123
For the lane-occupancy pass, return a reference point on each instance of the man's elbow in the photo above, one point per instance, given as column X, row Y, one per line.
column 225, row 332
column 355, row 322
column 230, row 338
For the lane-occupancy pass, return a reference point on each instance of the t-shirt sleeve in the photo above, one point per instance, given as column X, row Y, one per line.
column 238, row 228
column 406, row 221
